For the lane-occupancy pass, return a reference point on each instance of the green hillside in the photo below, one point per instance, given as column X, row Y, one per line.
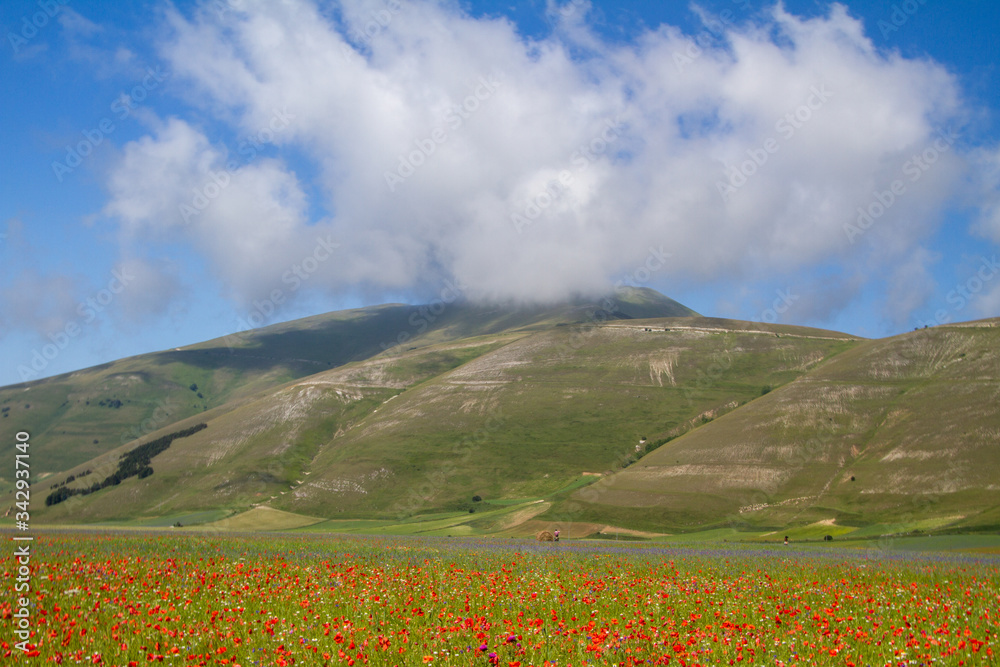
column 899, row 430
column 460, row 419
column 515, row 415
column 527, row 419
column 78, row 416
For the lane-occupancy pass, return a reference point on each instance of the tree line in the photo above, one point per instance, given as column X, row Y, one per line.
column 134, row 463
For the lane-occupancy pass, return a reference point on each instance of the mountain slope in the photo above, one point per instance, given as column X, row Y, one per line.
column 504, row 416
column 77, row 416
column 573, row 414
column 893, row 430
column 531, row 417
column 81, row 415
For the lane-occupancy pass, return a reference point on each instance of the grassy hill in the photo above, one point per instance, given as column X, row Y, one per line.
column 517, row 415
column 460, row 419
column 897, row 430
column 78, row 416
column 532, row 416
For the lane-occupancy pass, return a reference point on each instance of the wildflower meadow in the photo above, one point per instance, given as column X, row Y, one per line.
column 208, row 599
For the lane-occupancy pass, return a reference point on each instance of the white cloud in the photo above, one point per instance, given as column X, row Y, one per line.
column 987, row 192
column 151, row 288
column 987, row 304
column 75, row 24
column 495, row 120
column 249, row 219
column 910, row 286
column 42, row 302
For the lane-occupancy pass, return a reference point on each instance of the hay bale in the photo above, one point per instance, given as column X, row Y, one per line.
column 545, row 536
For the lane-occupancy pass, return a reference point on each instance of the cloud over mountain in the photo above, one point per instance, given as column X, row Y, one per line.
column 429, row 144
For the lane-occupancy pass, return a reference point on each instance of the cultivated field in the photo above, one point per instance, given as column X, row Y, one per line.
column 212, row 599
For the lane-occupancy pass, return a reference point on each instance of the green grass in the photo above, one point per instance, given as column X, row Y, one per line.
column 659, row 425
column 301, row 598
column 185, row 519
column 63, row 414
column 890, row 431
column 441, row 524
column 564, row 402
column 263, row 519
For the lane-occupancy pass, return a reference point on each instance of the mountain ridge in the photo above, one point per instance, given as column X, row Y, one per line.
column 151, row 391
column 577, row 407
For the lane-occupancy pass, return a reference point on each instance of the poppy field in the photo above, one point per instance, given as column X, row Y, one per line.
column 202, row 599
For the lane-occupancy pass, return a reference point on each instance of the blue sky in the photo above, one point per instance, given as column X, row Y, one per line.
column 177, row 172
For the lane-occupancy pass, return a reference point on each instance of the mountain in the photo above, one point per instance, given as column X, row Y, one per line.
column 78, row 416
column 897, row 430
column 455, row 418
